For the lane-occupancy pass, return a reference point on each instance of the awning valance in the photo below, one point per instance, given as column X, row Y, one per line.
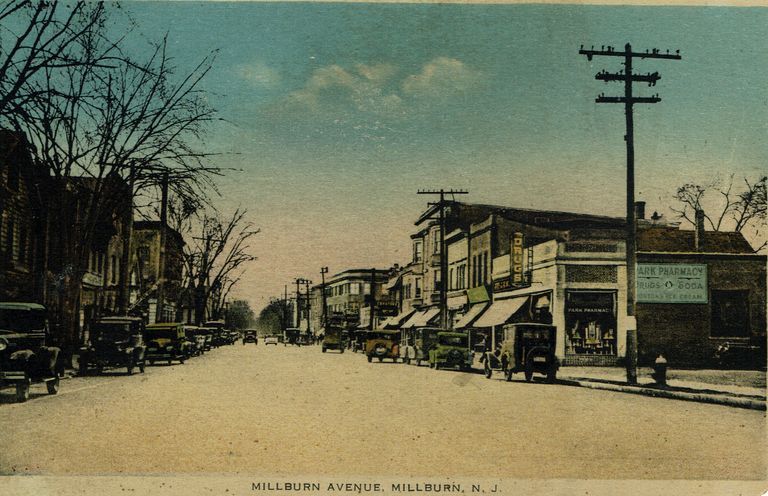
column 472, row 314
column 500, row 311
column 422, row 318
column 395, row 322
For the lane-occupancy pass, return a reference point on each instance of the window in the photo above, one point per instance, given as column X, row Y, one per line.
column 417, row 251
column 417, row 291
column 436, row 280
column 114, row 269
column 408, row 291
column 354, row 288
column 451, row 282
column 22, row 243
column 436, row 242
column 10, row 232
column 730, row 313
column 474, row 270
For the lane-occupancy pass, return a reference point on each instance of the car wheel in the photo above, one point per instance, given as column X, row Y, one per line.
column 437, row 366
column 508, row 375
column 130, row 367
column 53, row 386
column 82, row 368
column 381, row 359
column 552, row 375
column 141, row 367
column 418, row 362
column 487, row 370
column 324, row 350
column 370, row 358
column 528, row 373
column 170, row 360
column 182, row 360
column 22, row 391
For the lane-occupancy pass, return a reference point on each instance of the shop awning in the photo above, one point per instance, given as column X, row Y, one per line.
column 500, row 311
column 421, row 318
column 395, row 322
column 472, row 314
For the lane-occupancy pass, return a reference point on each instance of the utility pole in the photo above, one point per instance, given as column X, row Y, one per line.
column 285, row 309
column 629, row 100
column 443, row 254
column 373, row 299
column 125, row 263
column 309, row 306
column 161, row 264
column 323, row 272
column 298, row 302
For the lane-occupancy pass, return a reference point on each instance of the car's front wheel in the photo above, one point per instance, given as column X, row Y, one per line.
column 370, row 358
column 22, row 391
column 53, row 386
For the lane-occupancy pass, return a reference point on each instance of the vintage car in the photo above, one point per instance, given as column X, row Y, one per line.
column 219, row 335
column 166, row 342
column 250, row 336
column 334, row 337
column 271, row 340
column 114, row 342
column 382, row 344
column 416, row 344
column 24, row 356
column 197, row 338
column 207, row 334
column 527, row 348
column 451, row 351
column 292, row 335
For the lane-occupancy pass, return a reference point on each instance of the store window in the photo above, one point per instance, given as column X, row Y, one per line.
column 730, row 313
column 590, row 322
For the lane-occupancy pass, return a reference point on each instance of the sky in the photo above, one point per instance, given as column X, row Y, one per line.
column 336, row 114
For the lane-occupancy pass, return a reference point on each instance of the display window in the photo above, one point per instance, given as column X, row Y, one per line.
column 590, row 323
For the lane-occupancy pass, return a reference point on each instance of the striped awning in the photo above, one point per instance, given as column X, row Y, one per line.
column 500, row 311
column 472, row 314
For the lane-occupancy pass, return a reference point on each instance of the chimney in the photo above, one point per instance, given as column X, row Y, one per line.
column 639, row 210
column 698, row 235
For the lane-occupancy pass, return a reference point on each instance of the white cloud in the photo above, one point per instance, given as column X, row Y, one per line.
column 258, row 74
column 441, row 77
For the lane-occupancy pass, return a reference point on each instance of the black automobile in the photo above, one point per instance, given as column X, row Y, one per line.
column 166, row 342
column 24, row 356
column 220, row 336
column 250, row 336
column 527, row 348
column 114, row 342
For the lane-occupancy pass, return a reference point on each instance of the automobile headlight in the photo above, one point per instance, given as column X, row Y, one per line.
column 3, row 344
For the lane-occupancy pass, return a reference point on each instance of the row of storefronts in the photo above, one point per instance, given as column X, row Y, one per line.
column 697, row 291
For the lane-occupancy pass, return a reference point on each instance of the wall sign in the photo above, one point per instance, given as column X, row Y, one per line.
column 672, row 283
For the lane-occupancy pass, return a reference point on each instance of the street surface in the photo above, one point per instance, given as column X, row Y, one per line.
column 275, row 411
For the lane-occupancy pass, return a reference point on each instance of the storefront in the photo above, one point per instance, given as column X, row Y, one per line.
column 590, row 323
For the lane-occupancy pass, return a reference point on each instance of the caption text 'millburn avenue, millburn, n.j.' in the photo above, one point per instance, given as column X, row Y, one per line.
column 374, row 487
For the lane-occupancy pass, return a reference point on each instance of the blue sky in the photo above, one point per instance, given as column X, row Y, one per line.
column 338, row 113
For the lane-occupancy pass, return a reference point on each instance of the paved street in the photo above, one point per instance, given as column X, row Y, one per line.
column 285, row 410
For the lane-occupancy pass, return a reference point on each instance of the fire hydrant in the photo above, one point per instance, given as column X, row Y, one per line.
column 660, row 371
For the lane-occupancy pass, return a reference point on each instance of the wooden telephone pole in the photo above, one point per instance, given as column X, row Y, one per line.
column 629, row 100
column 443, row 254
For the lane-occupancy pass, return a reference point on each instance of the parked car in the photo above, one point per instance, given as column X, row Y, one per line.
column 197, row 338
column 24, row 356
column 527, row 348
column 271, row 340
column 416, row 344
column 382, row 344
column 251, row 336
column 219, row 335
column 207, row 334
column 166, row 341
column 114, row 342
column 451, row 350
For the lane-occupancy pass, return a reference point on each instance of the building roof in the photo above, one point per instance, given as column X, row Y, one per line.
column 682, row 241
column 154, row 225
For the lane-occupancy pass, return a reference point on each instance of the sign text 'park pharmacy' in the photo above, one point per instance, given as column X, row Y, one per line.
column 671, row 283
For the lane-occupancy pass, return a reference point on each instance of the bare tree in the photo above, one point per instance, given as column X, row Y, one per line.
column 110, row 132
column 214, row 261
column 725, row 209
column 36, row 37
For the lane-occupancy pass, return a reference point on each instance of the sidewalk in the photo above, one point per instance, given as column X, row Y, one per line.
column 740, row 388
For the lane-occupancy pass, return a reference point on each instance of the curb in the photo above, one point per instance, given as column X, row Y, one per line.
column 715, row 399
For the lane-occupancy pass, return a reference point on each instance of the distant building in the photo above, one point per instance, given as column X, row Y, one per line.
column 145, row 271
column 348, row 293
